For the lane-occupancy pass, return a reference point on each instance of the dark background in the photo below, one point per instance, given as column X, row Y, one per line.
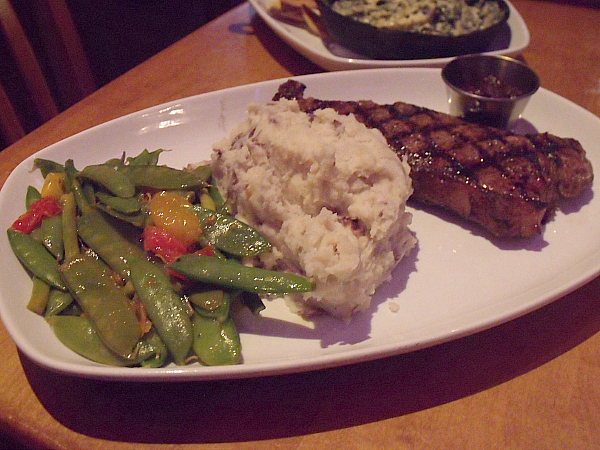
column 116, row 36
column 119, row 34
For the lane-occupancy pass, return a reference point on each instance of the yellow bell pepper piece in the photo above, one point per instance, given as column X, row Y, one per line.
column 175, row 214
column 54, row 185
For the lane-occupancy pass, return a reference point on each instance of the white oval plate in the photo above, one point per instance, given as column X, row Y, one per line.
column 457, row 282
column 332, row 56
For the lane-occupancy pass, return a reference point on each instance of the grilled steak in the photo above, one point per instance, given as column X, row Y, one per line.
column 508, row 183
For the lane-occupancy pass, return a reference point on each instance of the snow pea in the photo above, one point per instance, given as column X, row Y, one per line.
column 115, row 162
column 125, row 209
column 32, row 195
column 111, row 178
column 47, row 166
column 37, row 234
column 214, row 303
column 78, row 334
column 252, row 301
column 124, row 205
column 162, row 177
column 231, row 274
column 52, row 235
column 164, row 307
column 145, row 158
column 151, row 351
column 34, row 256
column 104, row 304
column 216, row 343
column 204, row 172
column 136, row 219
column 107, row 241
column 229, row 234
column 58, row 301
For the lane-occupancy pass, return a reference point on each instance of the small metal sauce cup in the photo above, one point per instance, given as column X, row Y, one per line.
column 466, row 75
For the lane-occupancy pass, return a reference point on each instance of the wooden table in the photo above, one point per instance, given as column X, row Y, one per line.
column 533, row 383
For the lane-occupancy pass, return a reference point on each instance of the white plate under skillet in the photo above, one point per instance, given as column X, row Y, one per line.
column 457, row 281
column 330, row 55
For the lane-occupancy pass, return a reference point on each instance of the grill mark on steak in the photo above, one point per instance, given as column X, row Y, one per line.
column 509, row 184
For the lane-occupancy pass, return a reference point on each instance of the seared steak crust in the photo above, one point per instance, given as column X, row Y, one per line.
column 509, row 184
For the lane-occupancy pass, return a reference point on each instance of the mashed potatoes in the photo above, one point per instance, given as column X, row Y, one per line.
column 327, row 192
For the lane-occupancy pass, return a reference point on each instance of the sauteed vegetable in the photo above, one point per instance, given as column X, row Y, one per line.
column 139, row 264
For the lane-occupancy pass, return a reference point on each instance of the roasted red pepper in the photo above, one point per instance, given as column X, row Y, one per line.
column 163, row 244
column 167, row 247
column 205, row 251
column 32, row 218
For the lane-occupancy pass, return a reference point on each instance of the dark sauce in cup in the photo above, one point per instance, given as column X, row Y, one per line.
column 493, row 87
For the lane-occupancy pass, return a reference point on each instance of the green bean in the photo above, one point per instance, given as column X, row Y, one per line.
column 52, row 235
column 108, row 242
column 70, row 170
column 40, row 293
column 58, row 301
column 220, row 202
column 89, row 193
column 73, row 185
column 231, row 274
column 231, row 235
column 215, row 342
column 145, row 158
column 34, row 256
column 46, row 166
column 104, row 304
column 78, row 334
column 111, row 178
column 162, row 177
column 31, row 196
column 164, row 307
column 69, row 225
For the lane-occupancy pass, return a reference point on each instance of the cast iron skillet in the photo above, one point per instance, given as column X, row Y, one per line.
column 379, row 43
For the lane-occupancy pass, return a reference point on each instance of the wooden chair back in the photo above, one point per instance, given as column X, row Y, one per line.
column 64, row 79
